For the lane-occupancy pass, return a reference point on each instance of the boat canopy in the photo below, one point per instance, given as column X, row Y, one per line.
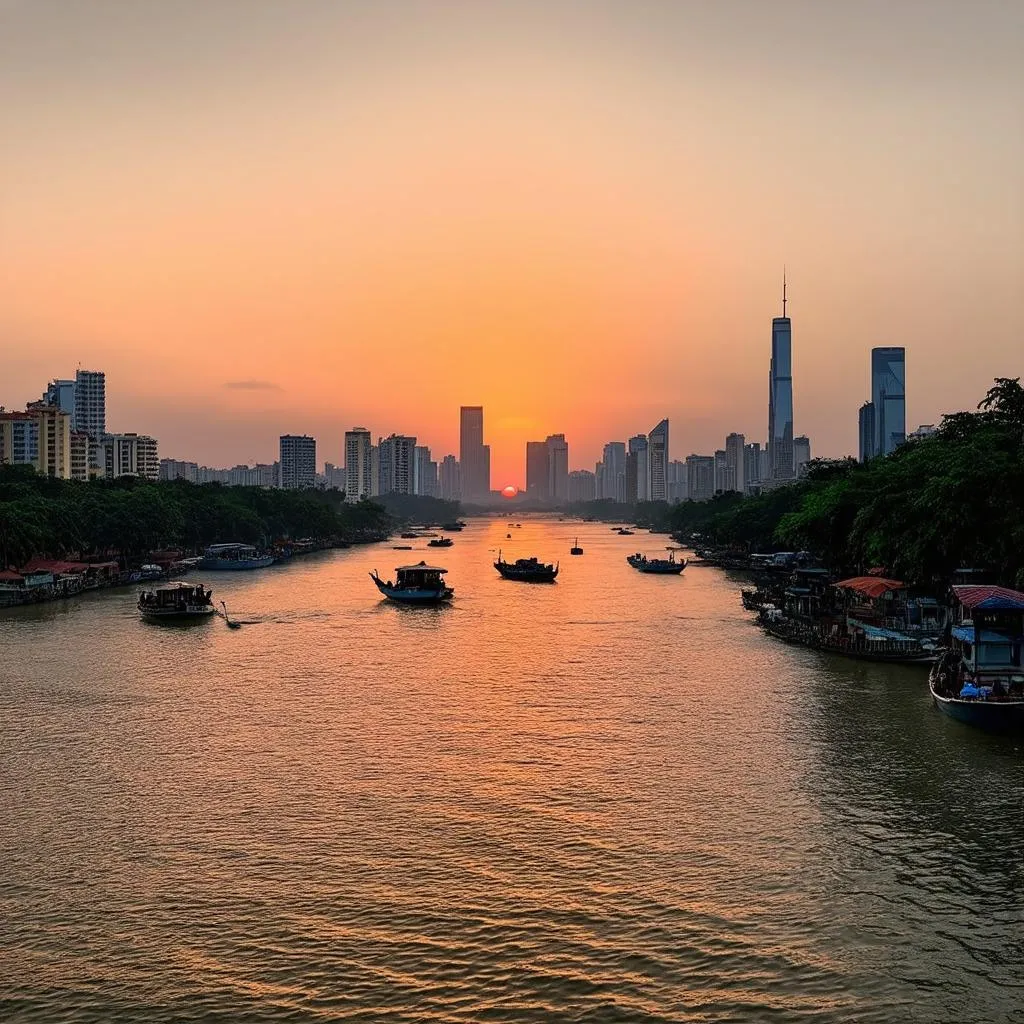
column 877, row 632
column 986, row 599
column 420, row 567
column 870, row 586
column 987, row 636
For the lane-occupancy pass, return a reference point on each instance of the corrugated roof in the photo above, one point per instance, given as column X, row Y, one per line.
column 983, row 598
column 870, row 586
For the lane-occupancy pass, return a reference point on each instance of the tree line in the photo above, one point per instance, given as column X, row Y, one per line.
column 130, row 517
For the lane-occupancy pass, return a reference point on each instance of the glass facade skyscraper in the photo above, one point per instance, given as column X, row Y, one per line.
column 780, row 401
column 888, row 396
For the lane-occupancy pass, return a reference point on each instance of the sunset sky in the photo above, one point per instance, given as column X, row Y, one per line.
column 261, row 218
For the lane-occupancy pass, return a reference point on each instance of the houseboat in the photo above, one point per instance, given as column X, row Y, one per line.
column 235, row 557
column 980, row 678
column 440, row 542
column 419, row 584
column 526, row 570
column 177, row 602
column 657, row 566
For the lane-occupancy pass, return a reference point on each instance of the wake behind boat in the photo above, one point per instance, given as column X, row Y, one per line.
column 526, row 570
column 419, row 584
column 176, row 602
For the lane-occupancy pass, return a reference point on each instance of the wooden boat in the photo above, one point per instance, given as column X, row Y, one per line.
column 419, row 584
column 453, row 527
column 440, row 542
column 906, row 650
column 657, row 566
column 526, row 570
column 177, row 602
column 234, row 557
column 980, row 679
column 623, row 532
column 576, row 549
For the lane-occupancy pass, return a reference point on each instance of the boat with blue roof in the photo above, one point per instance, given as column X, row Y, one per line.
column 980, row 678
column 235, row 557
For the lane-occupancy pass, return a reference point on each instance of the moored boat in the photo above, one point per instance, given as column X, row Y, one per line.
column 234, row 557
column 440, row 542
column 980, row 679
column 419, row 584
column 576, row 549
column 657, row 566
column 526, row 570
column 176, row 602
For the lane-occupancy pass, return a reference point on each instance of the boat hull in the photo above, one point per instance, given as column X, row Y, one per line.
column 525, row 577
column 411, row 596
column 855, row 651
column 990, row 715
column 176, row 615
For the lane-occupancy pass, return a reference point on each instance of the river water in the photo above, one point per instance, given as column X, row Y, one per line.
column 610, row 799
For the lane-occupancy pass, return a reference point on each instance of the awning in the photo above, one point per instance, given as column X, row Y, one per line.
column 870, row 586
column 979, row 598
column 988, row 636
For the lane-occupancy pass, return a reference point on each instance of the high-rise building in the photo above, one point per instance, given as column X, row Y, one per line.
column 582, row 485
column 54, row 434
column 298, row 461
column 888, row 396
column 558, row 468
column 358, row 479
column 174, row 469
column 801, row 454
column 61, row 393
column 424, row 473
column 613, row 475
column 722, row 480
column 638, row 477
column 866, row 431
column 537, row 471
column 735, row 462
column 397, row 455
column 19, row 439
column 677, row 481
column 657, row 453
column 751, row 466
column 474, row 455
column 449, row 479
column 335, row 477
column 700, row 477
column 130, row 455
column 79, row 455
column 780, row 396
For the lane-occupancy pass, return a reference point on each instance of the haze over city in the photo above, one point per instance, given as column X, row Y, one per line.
column 573, row 214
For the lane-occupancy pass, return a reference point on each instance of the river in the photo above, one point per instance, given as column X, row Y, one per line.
column 608, row 799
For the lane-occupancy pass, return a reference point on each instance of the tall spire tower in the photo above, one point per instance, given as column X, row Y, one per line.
column 780, row 395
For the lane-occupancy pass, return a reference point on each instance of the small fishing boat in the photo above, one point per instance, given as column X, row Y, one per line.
column 576, row 549
column 526, row 570
column 657, row 566
column 440, row 542
column 231, row 623
column 401, row 547
column 453, row 527
column 980, row 678
column 419, row 584
column 176, row 602
column 623, row 532
column 409, row 536
column 234, row 557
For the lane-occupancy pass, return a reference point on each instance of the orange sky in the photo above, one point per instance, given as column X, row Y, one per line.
column 573, row 213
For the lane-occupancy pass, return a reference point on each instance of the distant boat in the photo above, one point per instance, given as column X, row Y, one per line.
column 453, row 527
column 234, row 557
column 526, row 570
column 176, row 602
column 419, row 584
column 623, row 532
column 402, row 547
column 657, row 566
column 440, row 542
column 576, row 549
column 409, row 536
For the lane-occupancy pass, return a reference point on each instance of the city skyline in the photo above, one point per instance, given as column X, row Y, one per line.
column 267, row 239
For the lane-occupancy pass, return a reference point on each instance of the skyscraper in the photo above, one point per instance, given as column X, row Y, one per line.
column 657, row 453
column 397, row 455
column 424, row 473
column 90, row 415
column 558, row 468
column 474, row 455
column 780, row 396
column 638, row 477
column 735, row 462
column 357, row 464
column 449, row 479
column 801, row 454
column 130, row 455
column 613, row 475
column 582, row 485
column 888, row 396
column 751, row 466
column 61, row 393
column 700, row 477
column 537, row 471
column 298, row 461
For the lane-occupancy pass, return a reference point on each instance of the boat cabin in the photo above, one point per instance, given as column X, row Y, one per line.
column 988, row 633
column 175, row 596
column 419, row 577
